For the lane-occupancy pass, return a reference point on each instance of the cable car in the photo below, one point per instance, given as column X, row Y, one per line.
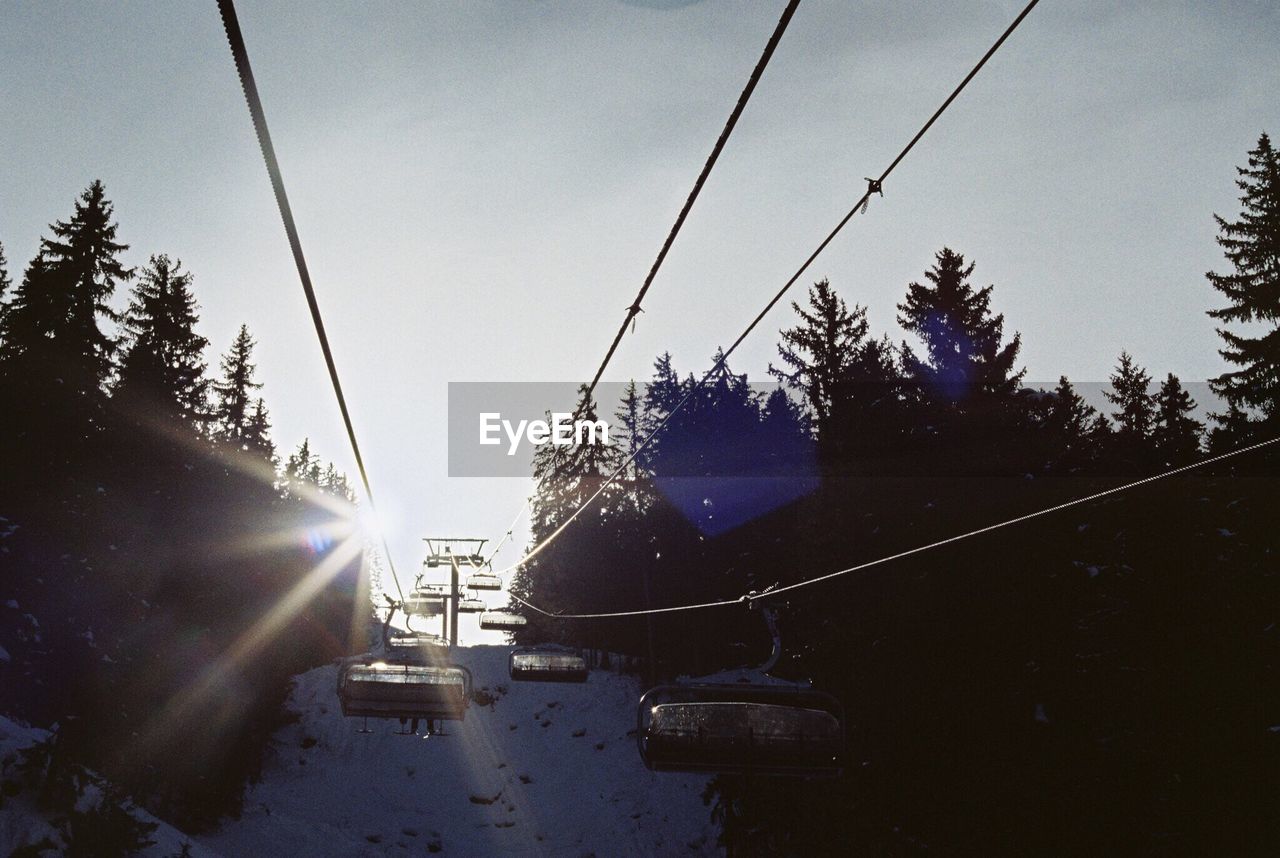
column 380, row 689
column 471, row 606
column 426, row 603
column 546, row 664
column 749, row 729
column 484, row 581
column 501, row 621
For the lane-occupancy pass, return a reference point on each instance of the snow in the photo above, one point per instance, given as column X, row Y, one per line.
column 22, row 823
column 548, row 769
column 12, row 603
column 5, row 658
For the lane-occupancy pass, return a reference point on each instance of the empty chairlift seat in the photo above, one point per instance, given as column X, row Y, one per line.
column 484, row 581
column 404, row 690
column 547, row 665
column 501, row 621
column 418, row 645
column 471, row 606
column 762, row 729
column 425, row 603
column 436, row 560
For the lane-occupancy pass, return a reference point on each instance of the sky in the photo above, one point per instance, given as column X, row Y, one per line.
column 481, row 187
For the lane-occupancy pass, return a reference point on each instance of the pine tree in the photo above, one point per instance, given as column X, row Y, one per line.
column 5, row 282
column 301, row 469
column 1131, row 445
column 629, row 415
column 50, row 329
column 1131, row 392
column 257, row 432
column 820, row 353
column 964, row 353
column 661, row 395
column 162, row 366
column 234, row 391
column 1075, row 429
column 1176, row 434
column 1252, row 289
column 54, row 357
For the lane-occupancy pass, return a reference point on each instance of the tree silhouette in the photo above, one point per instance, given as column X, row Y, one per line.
column 819, row 354
column 1176, row 434
column 1252, row 289
column 233, row 392
column 1135, row 416
column 54, row 356
column 965, row 356
column 162, row 365
column 52, row 322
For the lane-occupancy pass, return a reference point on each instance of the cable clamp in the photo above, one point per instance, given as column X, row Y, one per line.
column 751, row 597
column 633, row 311
column 874, row 186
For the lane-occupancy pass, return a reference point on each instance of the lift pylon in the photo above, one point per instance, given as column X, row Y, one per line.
column 456, row 553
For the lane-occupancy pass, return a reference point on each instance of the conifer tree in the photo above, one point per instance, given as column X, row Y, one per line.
column 234, row 391
column 1131, row 445
column 302, row 467
column 819, row 354
column 661, row 395
column 1252, row 289
column 5, row 282
column 1075, row 429
column 257, row 432
column 1176, row 434
column 1131, row 393
column 162, row 365
column 629, row 415
column 965, row 355
column 50, row 330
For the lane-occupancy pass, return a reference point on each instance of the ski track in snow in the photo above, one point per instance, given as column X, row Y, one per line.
column 353, row 794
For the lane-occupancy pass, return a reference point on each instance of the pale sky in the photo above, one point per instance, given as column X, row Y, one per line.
column 481, row 186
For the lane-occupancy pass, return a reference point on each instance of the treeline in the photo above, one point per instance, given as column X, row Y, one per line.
column 1098, row 680
column 150, row 535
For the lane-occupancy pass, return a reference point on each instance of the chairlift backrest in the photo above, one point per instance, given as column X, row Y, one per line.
column 547, row 665
column 484, row 581
column 402, row 690
column 501, row 621
column 425, row 603
column 756, row 729
column 471, row 606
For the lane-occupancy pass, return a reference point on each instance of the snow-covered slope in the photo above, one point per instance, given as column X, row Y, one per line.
column 22, row 824
column 548, row 769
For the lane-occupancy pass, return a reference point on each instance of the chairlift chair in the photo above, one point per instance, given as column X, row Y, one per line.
column 380, row 689
column 471, row 606
column 426, row 603
column 501, row 621
column 750, row 729
column 779, row 728
column 547, row 664
column 420, row 646
column 484, row 581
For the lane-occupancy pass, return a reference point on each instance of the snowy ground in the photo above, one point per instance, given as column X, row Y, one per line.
column 23, row 824
column 547, row 770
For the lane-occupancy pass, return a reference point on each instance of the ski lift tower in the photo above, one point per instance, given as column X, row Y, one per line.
column 455, row 553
